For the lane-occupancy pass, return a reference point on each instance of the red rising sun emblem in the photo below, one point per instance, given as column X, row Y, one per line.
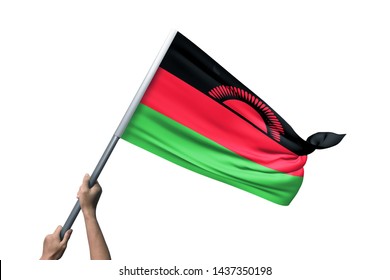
column 250, row 107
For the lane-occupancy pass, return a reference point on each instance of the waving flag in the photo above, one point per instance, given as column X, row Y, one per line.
column 196, row 114
column 192, row 112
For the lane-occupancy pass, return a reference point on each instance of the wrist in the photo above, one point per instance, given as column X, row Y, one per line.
column 89, row 213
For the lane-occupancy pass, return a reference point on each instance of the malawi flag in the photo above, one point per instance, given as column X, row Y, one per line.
column 196, row 114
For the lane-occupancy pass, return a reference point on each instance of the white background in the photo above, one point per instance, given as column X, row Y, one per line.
column 68, row 71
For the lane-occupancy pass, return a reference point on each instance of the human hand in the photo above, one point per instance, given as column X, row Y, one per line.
column 89, row 197
column 53, row 247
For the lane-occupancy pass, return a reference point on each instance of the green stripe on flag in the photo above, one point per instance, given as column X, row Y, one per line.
column 168, row 139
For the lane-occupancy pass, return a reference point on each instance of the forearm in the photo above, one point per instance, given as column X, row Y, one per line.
column 97, row 245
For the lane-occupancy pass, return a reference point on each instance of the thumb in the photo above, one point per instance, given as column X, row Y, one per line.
column 86, row 178
column 57, row 231
column 85, row 181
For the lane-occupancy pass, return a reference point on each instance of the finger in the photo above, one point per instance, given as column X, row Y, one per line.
column 97, row 184
column 58, row 230
column 67, row 236
column 97, row 187
column 95, row 192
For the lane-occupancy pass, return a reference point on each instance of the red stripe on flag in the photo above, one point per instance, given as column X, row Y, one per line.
column 188, row 106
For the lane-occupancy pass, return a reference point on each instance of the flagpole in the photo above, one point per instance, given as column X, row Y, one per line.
column 92, row 181
column 121, row 128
